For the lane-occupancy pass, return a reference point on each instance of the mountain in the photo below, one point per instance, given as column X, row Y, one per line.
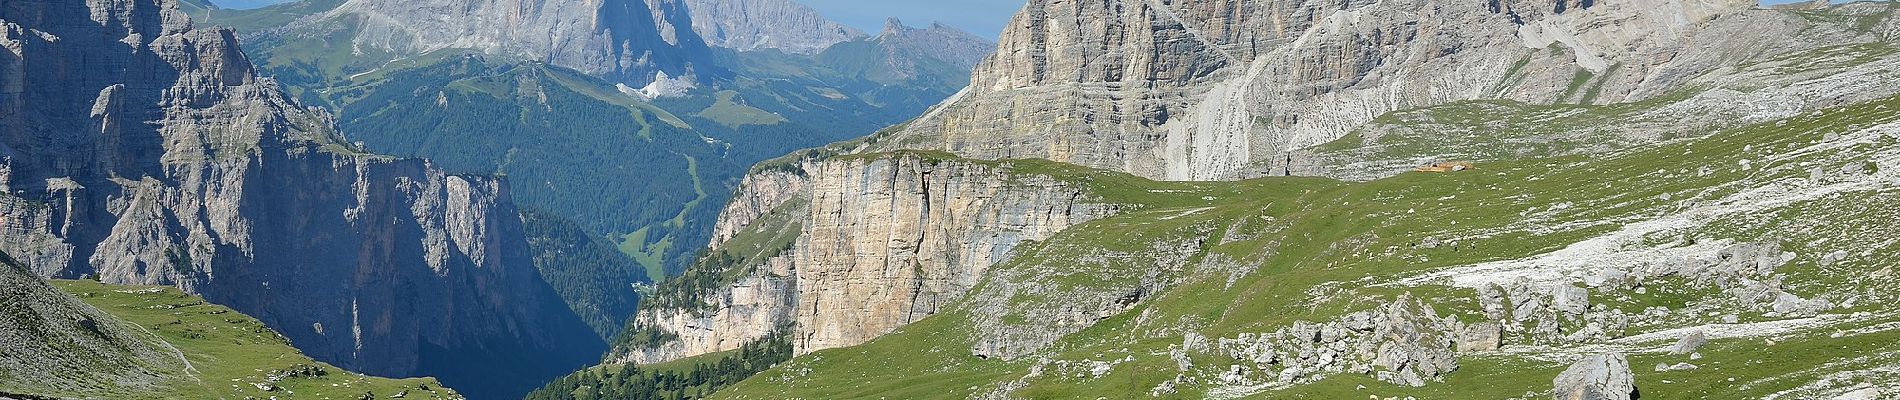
column 1235, row 89
column 902, row 55
column 643, row 166
column 1499, row 198
column 748, row 25
column 634, row 42
column 144, row 151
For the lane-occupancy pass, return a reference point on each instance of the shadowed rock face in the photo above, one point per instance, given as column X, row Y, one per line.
column 149, row 152
column 1206, row 90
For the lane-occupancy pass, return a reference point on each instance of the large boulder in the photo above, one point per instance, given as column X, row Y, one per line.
column 1599, row 377
column 1690, row 343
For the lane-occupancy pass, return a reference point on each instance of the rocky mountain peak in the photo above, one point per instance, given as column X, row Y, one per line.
column 894, row 26
column 961, row 48
column 629, row 41
column 747, row 25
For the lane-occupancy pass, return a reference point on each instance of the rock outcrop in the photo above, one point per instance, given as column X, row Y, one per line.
column 1598, row 377
column 741, row 313
column 748, row 25
column 887, row 240
column 759, row 194
column 1405, row 343
column 149, row 152
column 1227, row 90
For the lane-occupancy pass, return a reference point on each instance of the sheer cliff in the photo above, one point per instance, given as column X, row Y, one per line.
column 861, row 246
column 150, row 152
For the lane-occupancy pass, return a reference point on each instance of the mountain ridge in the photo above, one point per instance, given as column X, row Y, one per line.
column 748, row 25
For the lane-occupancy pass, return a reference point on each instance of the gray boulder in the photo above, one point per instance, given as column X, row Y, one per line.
column 1482, row 336
column 1571, row 300
column 1599, row 377
column 1690, row 343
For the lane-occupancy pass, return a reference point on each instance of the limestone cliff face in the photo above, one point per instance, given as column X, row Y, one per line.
column 1204, row 90
column 892, row 240
column 759, row 194
column 886, row 240
column 148, row 152
column 747, row 25
column 629, row 41
column 743, row 312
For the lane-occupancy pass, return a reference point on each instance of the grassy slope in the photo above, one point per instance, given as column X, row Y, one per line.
column 1318, row 237
column 229, row 352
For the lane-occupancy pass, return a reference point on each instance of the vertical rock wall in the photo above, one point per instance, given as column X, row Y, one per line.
column 144, row 151
column 887, row 240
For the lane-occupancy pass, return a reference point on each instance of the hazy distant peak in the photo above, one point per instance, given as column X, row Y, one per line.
column 767, row 24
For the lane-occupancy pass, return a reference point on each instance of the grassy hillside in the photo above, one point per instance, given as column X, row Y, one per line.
column 227, row 355
column 1267, row 254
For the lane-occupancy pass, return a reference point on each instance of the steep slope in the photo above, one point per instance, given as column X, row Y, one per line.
column 748, row 25
column 149, row 152
column 149, row 342
column 56, row 345
column 1214, row 91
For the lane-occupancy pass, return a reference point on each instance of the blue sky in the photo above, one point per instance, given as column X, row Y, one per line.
column 983, row 17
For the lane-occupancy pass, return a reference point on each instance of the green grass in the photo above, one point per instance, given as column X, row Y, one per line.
column 730, row 111
column 1294, row 238
column 1498, row 130
column 229, row 352
column 1578, row 83
column 897, row 366
column 650, row 254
